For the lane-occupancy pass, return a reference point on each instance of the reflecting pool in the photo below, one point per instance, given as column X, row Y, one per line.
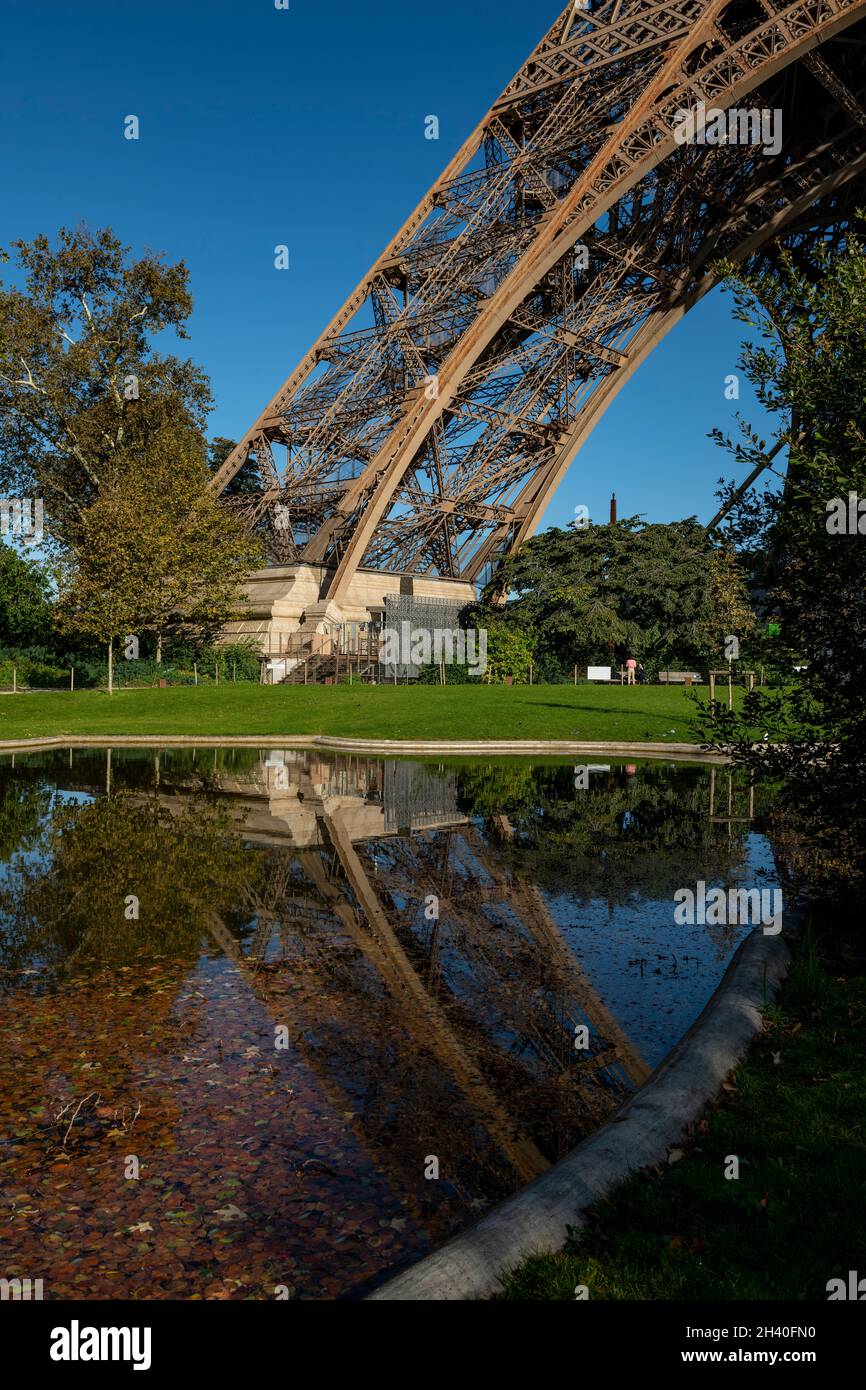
column 275, row 1023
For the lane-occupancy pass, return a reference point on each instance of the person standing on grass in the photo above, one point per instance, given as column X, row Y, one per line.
column 631, row 669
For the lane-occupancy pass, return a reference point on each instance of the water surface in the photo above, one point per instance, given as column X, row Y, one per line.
column 276, row 1023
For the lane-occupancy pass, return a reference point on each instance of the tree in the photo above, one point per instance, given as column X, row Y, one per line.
column 727, row 611
column 157, row 552
column 100, row 597
column 82, row 390
column 809, row 370
column 660, row 592
column 509, row 653
column 25, row 610
column 24, row 807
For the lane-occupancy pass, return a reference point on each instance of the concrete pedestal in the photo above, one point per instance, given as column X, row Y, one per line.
column 285, row 611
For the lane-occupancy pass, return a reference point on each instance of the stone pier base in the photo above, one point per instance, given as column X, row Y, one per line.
column 285, row 610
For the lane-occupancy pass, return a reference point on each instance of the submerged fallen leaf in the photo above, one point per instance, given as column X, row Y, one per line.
column 231, row 1213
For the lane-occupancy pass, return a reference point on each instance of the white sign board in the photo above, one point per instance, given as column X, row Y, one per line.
column 598, row 673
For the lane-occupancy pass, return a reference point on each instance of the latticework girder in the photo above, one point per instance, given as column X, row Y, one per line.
column 427, row 429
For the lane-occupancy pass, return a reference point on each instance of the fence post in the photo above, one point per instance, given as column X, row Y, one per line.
column 195, row 672
column 14, row 680
column 72, row 680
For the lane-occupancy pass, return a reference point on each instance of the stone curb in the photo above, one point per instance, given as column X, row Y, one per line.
column 473, row 1264
column 691, row 752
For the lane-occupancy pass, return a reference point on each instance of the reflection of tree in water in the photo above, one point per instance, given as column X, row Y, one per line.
column 91, row 1067
column 647, row 834
column 23, row 807
column 69, row 904
column 135, row 769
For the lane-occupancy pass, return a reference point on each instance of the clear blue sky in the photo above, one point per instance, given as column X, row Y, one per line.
column 306, row 127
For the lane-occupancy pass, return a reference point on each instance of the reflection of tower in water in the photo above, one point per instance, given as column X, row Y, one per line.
column 449, row 1034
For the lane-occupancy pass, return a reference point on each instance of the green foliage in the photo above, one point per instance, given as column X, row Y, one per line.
column 806, row 983
column 157, row 552
column 662, row 593
column 809, row 369
column 25, row 609
column 240, row 660
column 42, row 669
column 454, row 675
column 510, row 652
column 83, row 392
column 26, row 671
column 246, row 481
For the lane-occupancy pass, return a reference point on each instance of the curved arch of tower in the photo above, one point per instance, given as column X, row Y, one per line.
column 424, row 433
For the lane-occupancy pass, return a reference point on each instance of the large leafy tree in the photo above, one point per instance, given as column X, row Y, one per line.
column 83, row 390
column 807, row 361
column 158, row 552
column 100, row 597
column 111, row 432
column 664, row 593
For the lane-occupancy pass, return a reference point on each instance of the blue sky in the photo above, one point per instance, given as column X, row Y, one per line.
column 305, row 127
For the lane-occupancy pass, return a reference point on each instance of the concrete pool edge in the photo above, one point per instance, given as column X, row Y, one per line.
column 678, row 752
column 536, row 1219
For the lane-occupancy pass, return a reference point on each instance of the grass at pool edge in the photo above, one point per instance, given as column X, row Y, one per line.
column 794, row 1112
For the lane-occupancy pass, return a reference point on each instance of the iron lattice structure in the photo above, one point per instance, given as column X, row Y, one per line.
column 427, row 429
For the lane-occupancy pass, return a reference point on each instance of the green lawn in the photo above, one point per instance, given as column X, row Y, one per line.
column 795, row 1115
column 591, row 713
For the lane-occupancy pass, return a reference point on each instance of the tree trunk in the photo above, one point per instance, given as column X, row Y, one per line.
column 159, row 649
column 111, row 666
